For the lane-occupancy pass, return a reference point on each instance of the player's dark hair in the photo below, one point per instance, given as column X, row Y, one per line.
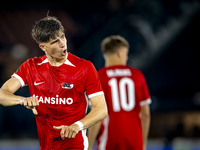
column 112, row 43
column 46, row 29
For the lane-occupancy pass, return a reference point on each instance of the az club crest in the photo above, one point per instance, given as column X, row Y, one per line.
column 67, row 85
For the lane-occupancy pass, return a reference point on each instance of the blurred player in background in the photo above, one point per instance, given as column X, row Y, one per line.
column 127, row 124
column 59, row 84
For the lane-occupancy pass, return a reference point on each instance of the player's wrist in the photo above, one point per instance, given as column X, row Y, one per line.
column 80, row 124
column 20, row 100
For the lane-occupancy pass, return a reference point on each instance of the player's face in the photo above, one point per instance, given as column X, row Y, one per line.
column 57, row 47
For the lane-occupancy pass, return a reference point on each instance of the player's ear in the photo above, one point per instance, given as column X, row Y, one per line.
column 118, row 53
column 42, row 46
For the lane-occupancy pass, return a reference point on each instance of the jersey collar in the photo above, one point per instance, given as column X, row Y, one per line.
column 67, row 62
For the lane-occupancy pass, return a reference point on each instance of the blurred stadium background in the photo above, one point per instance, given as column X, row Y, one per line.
column 164, row 44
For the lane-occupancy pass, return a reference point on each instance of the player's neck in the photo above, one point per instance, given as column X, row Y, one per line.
column 113, row 62
column 56, row 61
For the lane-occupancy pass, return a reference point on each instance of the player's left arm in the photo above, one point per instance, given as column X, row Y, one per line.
column 145, row 109
column 98, row 113
column 145, row 120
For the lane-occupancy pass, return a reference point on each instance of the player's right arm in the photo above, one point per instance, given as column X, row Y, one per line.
column 7, row 97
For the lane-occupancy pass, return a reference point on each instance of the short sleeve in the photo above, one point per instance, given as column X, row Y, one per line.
column 93, row 85
column 20, row 74
column 145, row 92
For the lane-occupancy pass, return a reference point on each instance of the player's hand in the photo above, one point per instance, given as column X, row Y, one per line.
column 31, row 103
column 68, row 131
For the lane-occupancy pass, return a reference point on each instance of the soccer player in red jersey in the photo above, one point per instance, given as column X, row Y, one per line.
column 60, row 84
column 127, row 125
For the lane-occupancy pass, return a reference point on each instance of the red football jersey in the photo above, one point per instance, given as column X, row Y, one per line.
column 62, row 93
column 125, row 92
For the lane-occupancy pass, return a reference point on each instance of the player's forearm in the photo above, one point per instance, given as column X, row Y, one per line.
column 9, row 99
column 96, row 115
column 145, row 120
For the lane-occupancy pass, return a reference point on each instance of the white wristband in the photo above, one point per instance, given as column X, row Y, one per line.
column 79, row 124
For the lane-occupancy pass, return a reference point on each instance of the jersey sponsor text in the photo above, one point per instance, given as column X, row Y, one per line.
column 54, row 100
